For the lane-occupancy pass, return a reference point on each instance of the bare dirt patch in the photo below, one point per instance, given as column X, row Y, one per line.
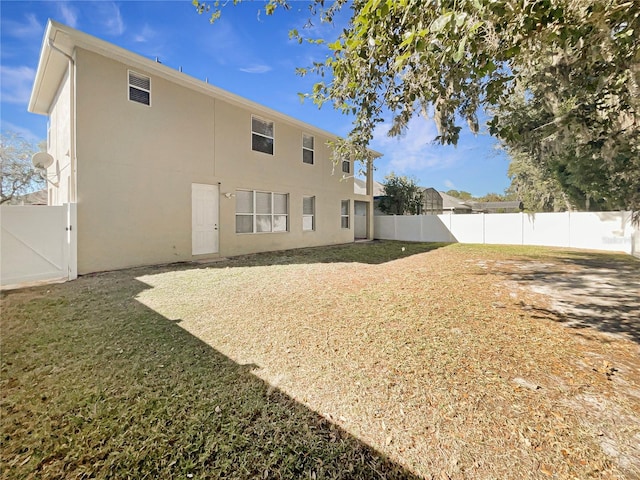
column 599, row 297
column 444, row 361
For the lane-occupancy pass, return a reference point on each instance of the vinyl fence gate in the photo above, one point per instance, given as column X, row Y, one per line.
column 38, row 244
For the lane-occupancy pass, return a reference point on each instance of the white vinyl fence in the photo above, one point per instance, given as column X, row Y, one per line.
column 38, row 244
column 610, row 231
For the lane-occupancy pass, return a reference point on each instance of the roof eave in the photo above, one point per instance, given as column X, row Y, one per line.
column 45, row 53
column 72, row 38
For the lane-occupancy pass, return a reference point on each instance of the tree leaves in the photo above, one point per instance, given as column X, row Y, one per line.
column 574, row 62
column 402, row 196
column 17, row 175
column 441, row 22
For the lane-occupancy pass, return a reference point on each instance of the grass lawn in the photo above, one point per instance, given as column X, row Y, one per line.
column 379, row 360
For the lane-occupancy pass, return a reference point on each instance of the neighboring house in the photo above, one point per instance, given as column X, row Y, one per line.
column 454, row 205
column 165, row 168
column 497, row 207
column 436, row 203
column 432, row 202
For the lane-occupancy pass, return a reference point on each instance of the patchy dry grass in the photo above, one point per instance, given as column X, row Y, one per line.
column 360, row 361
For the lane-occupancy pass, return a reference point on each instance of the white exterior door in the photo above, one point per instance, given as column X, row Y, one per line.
column 204, row 218
column 360, row 219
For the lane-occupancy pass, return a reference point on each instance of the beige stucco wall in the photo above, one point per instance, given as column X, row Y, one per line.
column 59, row 145
column 136, row 165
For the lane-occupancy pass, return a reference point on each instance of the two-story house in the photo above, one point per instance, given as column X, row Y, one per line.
column 166, row 168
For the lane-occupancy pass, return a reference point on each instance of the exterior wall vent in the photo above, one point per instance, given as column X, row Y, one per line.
column 139, row 88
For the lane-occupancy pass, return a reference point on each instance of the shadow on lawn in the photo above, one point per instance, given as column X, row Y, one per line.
column 98, row 385
column 375, row 252
column 587, row 290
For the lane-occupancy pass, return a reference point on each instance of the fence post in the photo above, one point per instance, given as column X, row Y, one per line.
column 72, row 240
column 484, row 232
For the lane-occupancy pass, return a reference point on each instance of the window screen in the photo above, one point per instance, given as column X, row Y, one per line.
column 344, row 214
column 261, row 212
column 308, row 213
column 307, row 149
column 244, row 211
column 261, row 135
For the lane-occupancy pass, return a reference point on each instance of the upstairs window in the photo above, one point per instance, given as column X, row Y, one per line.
column 261, row 135
column 139, row 88
column 307, row 149
column 346, row 166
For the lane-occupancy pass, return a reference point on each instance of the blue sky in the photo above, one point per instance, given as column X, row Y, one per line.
column 245, row 52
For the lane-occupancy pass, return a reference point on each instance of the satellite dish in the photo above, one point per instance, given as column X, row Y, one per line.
column 42, row 160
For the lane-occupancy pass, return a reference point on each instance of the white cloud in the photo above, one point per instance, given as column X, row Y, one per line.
column 151, row 42
column 112, row 19
column 144, row 35
column 31, row 27
column 69, row 14
column 449, row 184
column 226, row 43
column 411, row 151
column 414, row 153
column 222, row 40
column 256, row 69
column 16, row 83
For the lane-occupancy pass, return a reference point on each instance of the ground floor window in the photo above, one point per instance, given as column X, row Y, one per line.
column 308, row 213
column 344, row 214
column 261, row 212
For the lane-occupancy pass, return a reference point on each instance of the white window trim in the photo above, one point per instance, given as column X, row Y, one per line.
column 273, row 138
column 139, row 88
column 254, row 214
column 312, row 215
column 312, row 150
column 347, row 216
